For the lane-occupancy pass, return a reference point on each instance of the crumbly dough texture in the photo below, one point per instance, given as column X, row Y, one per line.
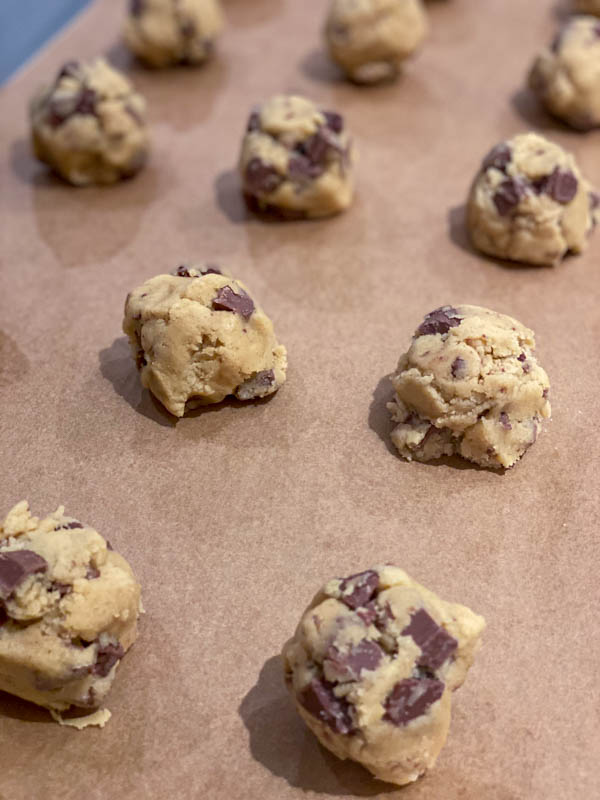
column 566, row 76
column 530, row 203
column 587, row 6
column 370, row 39
column 168, row 32
column 372, row 666
column 469, row 384
column 197, row 337
column 90, row 124
column 297, row 159
column 68, row 611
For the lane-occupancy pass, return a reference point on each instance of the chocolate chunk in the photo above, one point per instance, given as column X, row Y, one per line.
column 106, row 658
column 140, row 359
column 499, row 157
column 508, row 196
column 253, row 122
column 545, row 394
column 69, row 526
column 320, row 701
column 92, row 573
column 439, row 321
column 70, row 69
column 357, row 590
column 261, row 178
column 184, row 272
column 136, row 7
column 334, row 121
column 15, row 567
column 365, row 655
column 505, row 421
column 526, row 367
column 61, row 109
column 368, row 613
column 316, row 148
column 521, row 357
column 3, row 616
column 61, row 588
column 253, row 386
column 86, row 103
column 560, row 185
column 300, row 167
column 458, row 367
column 436, row 644
column 227, row 300
column 411, row 698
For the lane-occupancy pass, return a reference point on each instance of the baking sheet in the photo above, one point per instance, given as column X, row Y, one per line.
column 233, row 516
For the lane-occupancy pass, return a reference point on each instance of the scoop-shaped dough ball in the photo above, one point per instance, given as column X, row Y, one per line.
column 372, row 667
column 530, row 203
column 197, row 337
column 469, row 384
column 89, row 125
column 167, row 32
column 370, row 39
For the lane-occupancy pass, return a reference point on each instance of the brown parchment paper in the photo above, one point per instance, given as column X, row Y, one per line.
column 233, row 517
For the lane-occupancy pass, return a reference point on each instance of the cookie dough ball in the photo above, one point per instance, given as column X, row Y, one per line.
column 469, row 384
column 166, row 32
column 297, row 159
column 530, row 203
column 566, row 76
column 587, row 6
column 370, row 39
column 372, row 666
column 197, row 337
column 90, row 125
column 68, row 610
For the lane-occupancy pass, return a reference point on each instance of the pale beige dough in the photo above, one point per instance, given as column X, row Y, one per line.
column 530, row 203
column 370, row 39
column 168, row 32
column 69, row 607
column 566, row 75
column 90, row 124
column 297, row 159
column 469, row 384
column 587, row 6
column 372, row 666
column 191, row 350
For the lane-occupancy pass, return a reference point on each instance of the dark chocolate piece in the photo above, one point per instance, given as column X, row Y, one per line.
column 499, row 157
column 136, row 7
column 411, row 698
column 106, row 658
column 92, row 573
column 210, row 269
column 61, row 588
column 69, row 526
column 69, row 69
column 508, row 196
column 521, row 357
column 320, row 701
column 365, row 655
column 253, row 122
column 505, row 421
column 252, row 387
column 458, row 367
column 439, row 321
column 227, row 300
column 363, row 587
column 15, row 567
column 334, row 121
column 300, row 167
column 261, row 178
column 436, row 643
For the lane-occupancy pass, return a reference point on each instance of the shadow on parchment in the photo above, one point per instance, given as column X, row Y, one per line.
column 317, row 66
column 380, row 421
column 280, row 741
column 15, row 708
column 245, row 13
column 532, row 112
column 14, row 364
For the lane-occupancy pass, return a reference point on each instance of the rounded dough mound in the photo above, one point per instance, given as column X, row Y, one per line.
column 68, row 610
column 89, row 125
column 372, row 666
column 530, row 203
column 167, row 32
column 370, row 39
column 587, row 6
column 197, row 337
column 566, row 76
column 469, row 384
column 297, row 159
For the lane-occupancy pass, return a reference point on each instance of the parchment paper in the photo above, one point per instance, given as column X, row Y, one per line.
column 234, row 516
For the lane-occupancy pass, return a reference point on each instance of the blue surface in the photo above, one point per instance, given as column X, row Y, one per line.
column 26, row 24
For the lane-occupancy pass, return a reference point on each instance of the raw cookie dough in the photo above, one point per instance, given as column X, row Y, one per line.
column 297, row 159
column 166, row 32
column 530, row 203
column 566, row 76
column 370, row 39
column 197, row 337
column 90, row 124
column 588, row 6
column 469, row 384
column 372, row 666
column 68, row 611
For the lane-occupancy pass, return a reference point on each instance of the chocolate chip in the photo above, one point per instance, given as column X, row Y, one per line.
column 499, row 157
column 70, row 69
column 368, row 613
column 316, row 148
column 61, row 109
column 560, row 185
column 521, row 357
column 62, row 588
column 458, row 367
column 227, row 300
column 507, row 196
column 92, row 573
column 526, row 367
column 545, row 394
column 411, row 698
column 334, row 121
column 505, row 421
column 69, row 526
column 136, row 7
column 261, row 178
column 439, row 321
column 15, row 566
column 436, row 644
column 300, row 167
column 86, row 103
column 184, row 272
column 106, row 657
column 253, row 122
column 366, row 655
column 252, row 387
column 3, row 616
column 320, row 701
column 357, row 590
